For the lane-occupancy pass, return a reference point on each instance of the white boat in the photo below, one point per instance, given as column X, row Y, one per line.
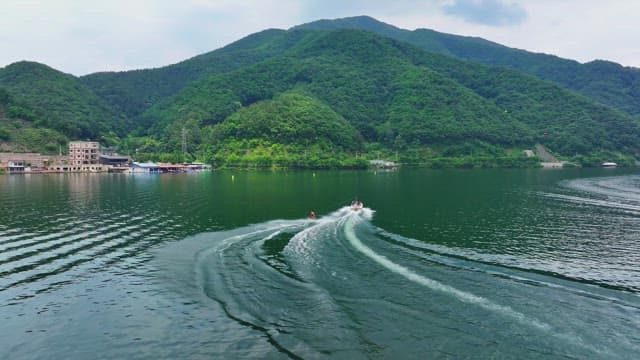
column 609, row 164
column 357, row 205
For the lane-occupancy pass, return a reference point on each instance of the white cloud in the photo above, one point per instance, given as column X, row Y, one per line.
column 488, row 12
column 82, row 37
column 582, row 30
column 117, row 35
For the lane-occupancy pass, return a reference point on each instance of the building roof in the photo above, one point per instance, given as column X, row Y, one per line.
column 148, row 165
column 172, row 166
column 115, row 157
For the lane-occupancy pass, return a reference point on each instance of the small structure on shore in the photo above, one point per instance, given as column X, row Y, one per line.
column 553, row 165
column 383, row 164
column 114, row 160
column 15, row 166
column 145, row 167
column 18, row 163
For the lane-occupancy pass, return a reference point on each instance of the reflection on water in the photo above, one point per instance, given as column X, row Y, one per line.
column 520, row 264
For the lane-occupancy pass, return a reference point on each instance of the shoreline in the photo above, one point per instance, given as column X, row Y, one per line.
column 541, row 166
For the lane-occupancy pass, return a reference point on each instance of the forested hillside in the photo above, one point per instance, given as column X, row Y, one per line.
column 58, row 101
column 331, row 97
column 133, row 92
column 18, row 131
column 402, row 98
column 603, row 81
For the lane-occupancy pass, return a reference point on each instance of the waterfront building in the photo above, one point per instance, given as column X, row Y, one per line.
column 84, row 156
column 83, row 153
column 114, row 160
column 172, row 168
column 148, row 167
column 198, row 166
column 28, row 162
column 383, row 164
column 16, row 166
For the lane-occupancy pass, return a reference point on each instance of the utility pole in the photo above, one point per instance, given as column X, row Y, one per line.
column 184, row 143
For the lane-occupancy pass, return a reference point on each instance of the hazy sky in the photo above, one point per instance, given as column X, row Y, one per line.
column 80, row 37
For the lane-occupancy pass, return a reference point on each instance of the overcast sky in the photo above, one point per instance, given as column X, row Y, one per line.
column 81, row 37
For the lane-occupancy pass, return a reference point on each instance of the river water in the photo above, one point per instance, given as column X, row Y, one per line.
column 439, row 264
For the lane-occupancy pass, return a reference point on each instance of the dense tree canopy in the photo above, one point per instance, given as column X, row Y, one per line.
column 59, row 101
column 18, row 132
column 602, row 81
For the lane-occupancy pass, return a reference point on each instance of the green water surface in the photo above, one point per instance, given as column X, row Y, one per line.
column 441, row 264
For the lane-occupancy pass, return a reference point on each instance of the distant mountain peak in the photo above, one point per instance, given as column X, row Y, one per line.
column 362, row 22
column 27, row 64
column 28, row 69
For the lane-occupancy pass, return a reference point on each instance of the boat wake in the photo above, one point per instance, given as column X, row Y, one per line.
column 338, row 286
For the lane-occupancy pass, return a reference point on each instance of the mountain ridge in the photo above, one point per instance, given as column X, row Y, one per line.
column 398, row 95
column 331, row 56
column 624, row 81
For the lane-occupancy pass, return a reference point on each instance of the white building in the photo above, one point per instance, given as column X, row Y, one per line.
column 148, row 167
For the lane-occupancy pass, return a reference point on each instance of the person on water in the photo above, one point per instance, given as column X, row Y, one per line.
column 357, row 204
column 312, row 215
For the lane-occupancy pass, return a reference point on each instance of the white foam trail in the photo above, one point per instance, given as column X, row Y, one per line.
column 595, row 202
column 623, row 187
column 302, row 243
column 433, row 284
column 520, row 263
column 273, row 228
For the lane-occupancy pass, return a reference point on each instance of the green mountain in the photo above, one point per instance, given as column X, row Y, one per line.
column 292, row 118
column 603, row 81
column 401, row 96
column 59, row 101
column 292, row 129
column 18, row 133
column 322, row 95
column 133, row 92
column 363, row 77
